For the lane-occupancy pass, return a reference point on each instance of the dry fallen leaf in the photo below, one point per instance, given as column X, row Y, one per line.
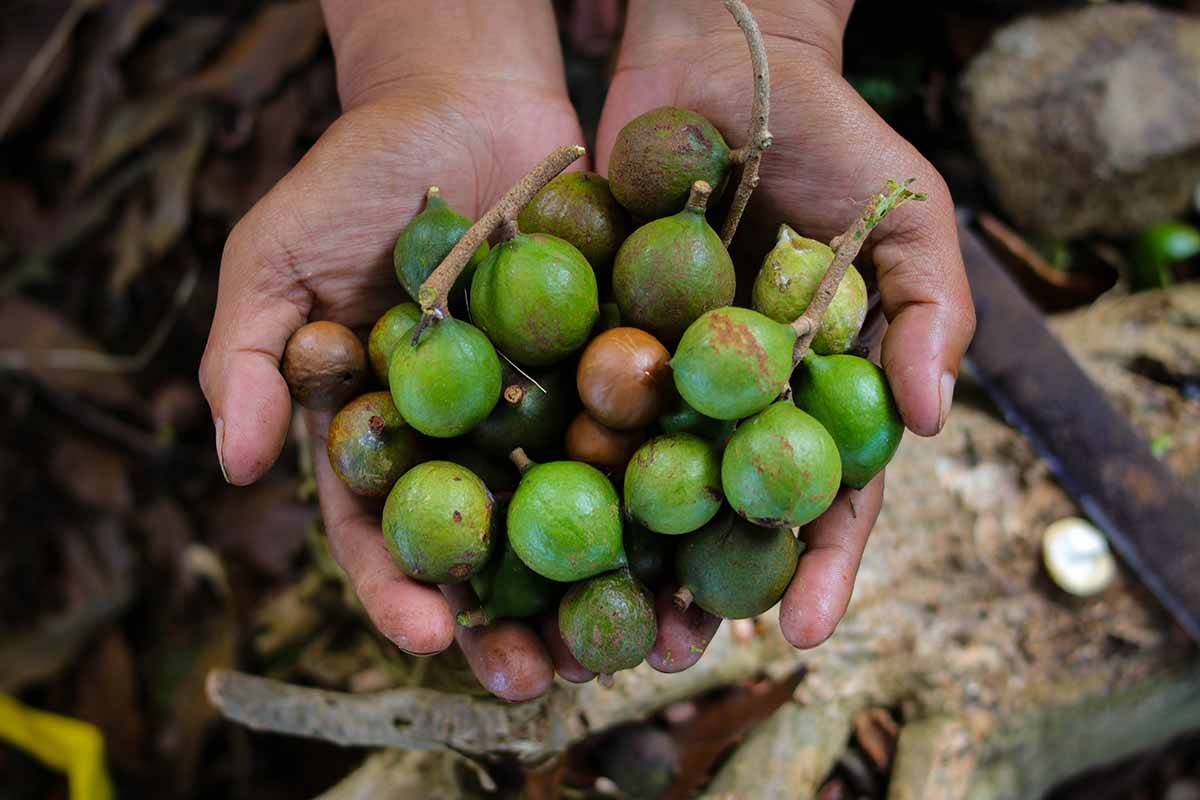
column 99, row 84
column 280, row 38
column 35, row 56
column 877, row 733
column 28, row 330
column 145, row 237
column 98, row 582
column 107, row 695
column 92, row 472
column 263, row 525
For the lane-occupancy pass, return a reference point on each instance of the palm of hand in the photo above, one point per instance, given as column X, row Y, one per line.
column 330, row 224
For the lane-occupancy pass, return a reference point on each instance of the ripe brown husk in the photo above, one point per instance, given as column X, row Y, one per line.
column 324, row 363
column 595, row 444
column 624, row 378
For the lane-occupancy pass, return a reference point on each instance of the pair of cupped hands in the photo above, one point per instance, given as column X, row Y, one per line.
column 469, row 96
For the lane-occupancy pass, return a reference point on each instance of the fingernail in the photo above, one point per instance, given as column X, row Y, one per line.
column 219, row 424
column 947, row 397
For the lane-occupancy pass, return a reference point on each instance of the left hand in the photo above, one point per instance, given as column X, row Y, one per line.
column 831, row 153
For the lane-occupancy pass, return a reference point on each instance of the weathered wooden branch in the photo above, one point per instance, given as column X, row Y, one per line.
column 424, row 718
column 787, row 756
column 935, row 760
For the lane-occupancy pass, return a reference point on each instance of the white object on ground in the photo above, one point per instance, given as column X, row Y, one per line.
column 1077, row 557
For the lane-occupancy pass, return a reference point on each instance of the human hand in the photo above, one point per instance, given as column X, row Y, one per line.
column 831, row 152
column 466, row 106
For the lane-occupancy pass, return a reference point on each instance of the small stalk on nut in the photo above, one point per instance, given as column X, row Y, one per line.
column 434, row 295
column 759, row 137
column 846, row 247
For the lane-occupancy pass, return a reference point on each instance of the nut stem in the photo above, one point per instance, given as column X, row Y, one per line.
column 434, row 293
column 523, row 462
column 684, row 598
column 759, row 137
column 472, row 618
column 845, row 249
column 514, row 393
column 377, row 426
column 698, row 197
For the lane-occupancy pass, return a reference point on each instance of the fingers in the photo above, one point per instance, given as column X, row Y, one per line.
column 817, row 598
column 507, row 657
column 682, row 635
column 413, row 615
column 926, row 298
column 564, row 663
column 592, row 25
column 239, row 373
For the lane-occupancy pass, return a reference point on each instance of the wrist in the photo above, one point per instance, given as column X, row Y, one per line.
column 382, row 47
column 805, row 29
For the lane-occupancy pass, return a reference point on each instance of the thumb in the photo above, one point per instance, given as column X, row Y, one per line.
column 258, row 309
column 927, row 301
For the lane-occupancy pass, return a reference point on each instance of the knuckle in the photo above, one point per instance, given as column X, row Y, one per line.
column 967, row 320
column 206, row 373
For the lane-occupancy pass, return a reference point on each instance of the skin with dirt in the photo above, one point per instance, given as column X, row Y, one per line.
column 437, row 523
column 851, row 398
column 564, row 521
column 649, row 553
column 529, row 415
column 736, row 569
column 789, row 278
column 624, row 378
column 388, row 332
column 733, row 362
column 324, row 363
column 447, row 383
column 536, row 297
column 507, row 589
column 673, row 483
column 608, row 622
column 671, row 271
column 659, row 155
column 781, row 468
column 370, row 445
column 426, row 242
column 579, row 208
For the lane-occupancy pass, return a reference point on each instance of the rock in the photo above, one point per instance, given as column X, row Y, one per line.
column 1089, row 120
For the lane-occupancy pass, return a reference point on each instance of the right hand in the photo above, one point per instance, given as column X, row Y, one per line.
column 831, row 153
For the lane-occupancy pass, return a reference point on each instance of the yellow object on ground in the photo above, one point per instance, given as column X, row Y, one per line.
column 61, row 743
